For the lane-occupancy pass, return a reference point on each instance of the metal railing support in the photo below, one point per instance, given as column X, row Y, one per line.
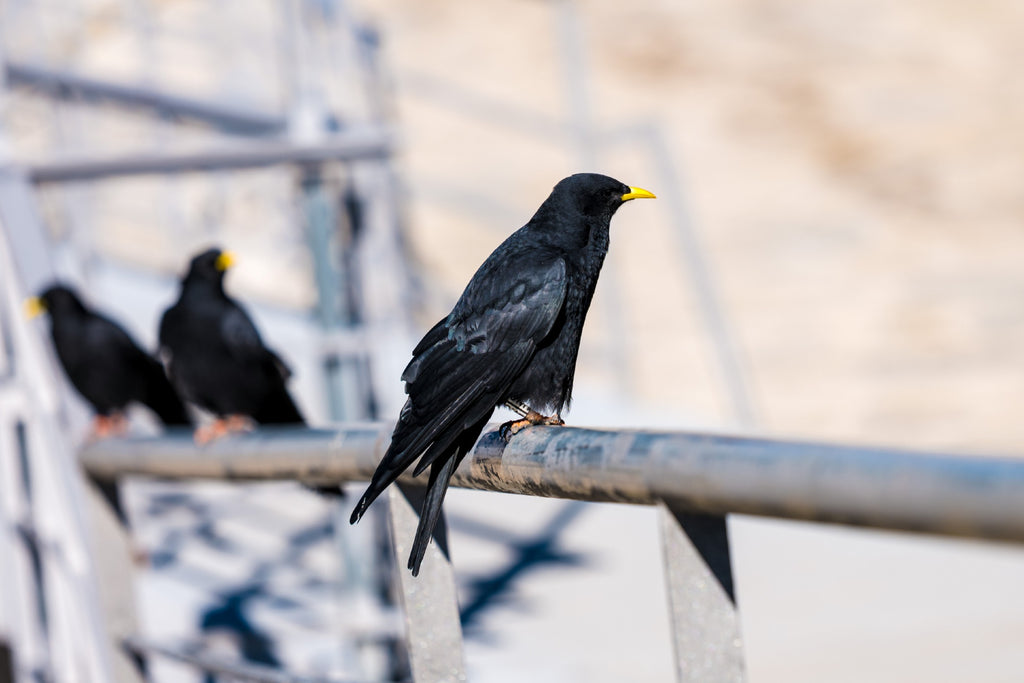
column 112, row 548
column 434, row 633
column 70, row 642
column 701, row 596
column 695, row 478
column 22, row 592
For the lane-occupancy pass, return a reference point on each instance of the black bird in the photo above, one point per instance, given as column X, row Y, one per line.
column 512, row 339
column 216, row 358
column 105, row 364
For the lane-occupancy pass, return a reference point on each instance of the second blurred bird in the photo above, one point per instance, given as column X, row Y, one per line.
column 216, row 358
column 105, row 365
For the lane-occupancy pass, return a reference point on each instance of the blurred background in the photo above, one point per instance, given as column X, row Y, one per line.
column 835, row 254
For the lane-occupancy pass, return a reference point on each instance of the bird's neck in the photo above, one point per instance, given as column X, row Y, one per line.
column 201, row 288
column 593, row 253
column 69, row 313
column 579, row 234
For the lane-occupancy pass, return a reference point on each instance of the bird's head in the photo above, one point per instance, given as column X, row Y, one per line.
column 55, row 300
column 210, row 266
column 596, row 195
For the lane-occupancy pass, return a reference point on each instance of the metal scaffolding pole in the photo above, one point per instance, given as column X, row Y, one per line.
column 66, row 84
column 354, row 144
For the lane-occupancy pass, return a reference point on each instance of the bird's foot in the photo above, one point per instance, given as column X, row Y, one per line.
column 239, row 423
column 106, row 426
column 532, row 417
column 204, row 434
column 221, row 427
column 100, row 428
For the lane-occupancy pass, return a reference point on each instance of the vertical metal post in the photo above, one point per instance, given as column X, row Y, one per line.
column 112, row 550
column 21, row 597
column 702, row 599
column 331, row 235
column 321, row 223
column 433, row 629
column 347, row 395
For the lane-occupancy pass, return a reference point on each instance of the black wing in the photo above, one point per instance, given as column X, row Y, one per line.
column 465, row 365
column 243, row 341
column 241, row 336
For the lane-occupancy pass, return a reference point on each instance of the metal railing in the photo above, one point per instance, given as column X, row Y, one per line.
column 696, row 479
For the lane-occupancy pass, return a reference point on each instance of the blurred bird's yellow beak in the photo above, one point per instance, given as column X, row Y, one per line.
column 34, row 306
column 637, row 193
column 224, row 261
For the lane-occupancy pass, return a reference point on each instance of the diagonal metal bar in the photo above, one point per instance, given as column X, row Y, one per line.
column 66, row 84
column 954, row 495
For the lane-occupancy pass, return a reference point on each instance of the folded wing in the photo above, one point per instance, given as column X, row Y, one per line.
column 465, row 365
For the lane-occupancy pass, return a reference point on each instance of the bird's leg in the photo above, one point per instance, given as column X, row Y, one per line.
column 207, row 433
column 516, row 407
column 532, row 417
column 238, row 423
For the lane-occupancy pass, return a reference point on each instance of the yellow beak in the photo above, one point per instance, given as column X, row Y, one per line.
column 637, row 193
column 224, row 261
column 34, row 306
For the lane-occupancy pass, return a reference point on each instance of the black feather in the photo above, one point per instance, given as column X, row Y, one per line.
column 513, row 334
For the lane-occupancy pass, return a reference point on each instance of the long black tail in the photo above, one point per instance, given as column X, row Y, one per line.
column 440, row 474
column 279, row 408
column 162, row 399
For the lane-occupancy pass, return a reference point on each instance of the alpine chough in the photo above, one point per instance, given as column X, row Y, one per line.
column 105, row 364
column 512, row 339
column 216, row 358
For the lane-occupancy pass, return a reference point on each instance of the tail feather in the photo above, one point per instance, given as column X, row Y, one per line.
column 440, row 475
column 455, row 432
column 162, row 399
column 279, row 408
column 382, row 478
column 446, row 443
column 430, row 513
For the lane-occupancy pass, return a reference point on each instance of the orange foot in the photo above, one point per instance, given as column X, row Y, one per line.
column 532, row 417
column 106, row 426
column 222, row 427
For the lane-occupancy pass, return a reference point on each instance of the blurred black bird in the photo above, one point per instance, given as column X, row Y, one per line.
column 105, row 364
column 216, row 358
column 512, row 339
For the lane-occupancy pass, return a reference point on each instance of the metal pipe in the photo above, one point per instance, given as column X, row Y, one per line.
column 366, row 142
column 955, row 495
column 69, row 85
